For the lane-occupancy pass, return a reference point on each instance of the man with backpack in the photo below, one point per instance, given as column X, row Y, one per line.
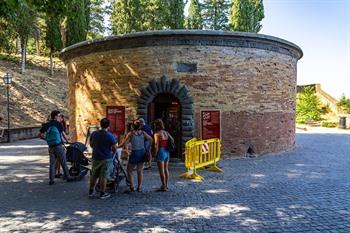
column 52, row 132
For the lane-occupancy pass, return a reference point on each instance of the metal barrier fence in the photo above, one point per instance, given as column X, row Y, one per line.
column 199, row 154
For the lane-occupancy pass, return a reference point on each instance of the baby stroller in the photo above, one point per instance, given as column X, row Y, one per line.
column 75, row 155
column 119, row 172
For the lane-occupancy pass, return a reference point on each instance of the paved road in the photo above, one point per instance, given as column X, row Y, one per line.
column 304, row 190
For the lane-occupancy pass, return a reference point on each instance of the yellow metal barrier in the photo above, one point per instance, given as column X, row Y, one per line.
column 201, row 153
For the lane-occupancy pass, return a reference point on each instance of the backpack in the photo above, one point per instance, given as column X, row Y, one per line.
column 53, row 136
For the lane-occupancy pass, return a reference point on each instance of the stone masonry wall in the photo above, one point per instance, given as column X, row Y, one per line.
column 254, row 89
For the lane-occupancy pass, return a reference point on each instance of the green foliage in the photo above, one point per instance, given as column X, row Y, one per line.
column 96, row 27
column 23, row 19
column 329, row 124
column 215, row 14
column 154, row 14
column 76, row 22
column 308, row 106
column 126, row 16
column 53, row 34
column 7, row 34
column 141, row 15
column 194, row 19
column 175, row 14
column 246, row 15
column 344, row 103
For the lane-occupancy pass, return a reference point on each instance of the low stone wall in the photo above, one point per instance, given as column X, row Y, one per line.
column 21, row 133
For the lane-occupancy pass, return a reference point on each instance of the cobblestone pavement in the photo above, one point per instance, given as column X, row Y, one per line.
column 304, row 190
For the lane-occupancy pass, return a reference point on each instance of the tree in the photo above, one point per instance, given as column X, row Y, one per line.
column 246, row 15
column 174, row 12
column 154, row 15
column 76, row 22
column 23, row 21
column 344, row 103
column 215, row 14
column 126, row 16
column 194, row 19
column 54, row 12
column 7, row 12
column 96, row 26
column 53, row 36
column 308, row 106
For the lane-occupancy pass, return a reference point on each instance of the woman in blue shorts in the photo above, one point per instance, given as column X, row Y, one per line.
column 162, row 155
column 137, row 157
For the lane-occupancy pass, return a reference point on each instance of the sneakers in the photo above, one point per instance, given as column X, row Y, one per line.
column 105, row 195
column 51, row 182
column 91, row 193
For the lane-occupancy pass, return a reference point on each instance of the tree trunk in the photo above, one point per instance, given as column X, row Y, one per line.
column 51, row 62
column 37, row 47
column 23, row 56
column 18, row 46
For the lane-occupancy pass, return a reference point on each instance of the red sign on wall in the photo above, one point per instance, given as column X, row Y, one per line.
column 116, row 116
column 210, row 120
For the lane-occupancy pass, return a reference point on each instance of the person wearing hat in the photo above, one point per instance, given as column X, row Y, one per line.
column 147, row 129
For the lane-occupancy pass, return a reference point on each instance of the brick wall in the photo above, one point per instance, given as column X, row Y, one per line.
column 254, row 89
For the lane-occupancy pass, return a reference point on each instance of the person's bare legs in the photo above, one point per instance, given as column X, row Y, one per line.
column 92, row 183
column 139, row 176
column 166, row 173
column 129, row 169
column 103, row 183
column 161, row 174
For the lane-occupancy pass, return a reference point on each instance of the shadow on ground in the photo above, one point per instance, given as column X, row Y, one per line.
column 302, row 190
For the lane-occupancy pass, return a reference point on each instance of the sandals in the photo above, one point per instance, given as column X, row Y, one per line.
column 130, row 190
column 139, row 190
column 162, row 189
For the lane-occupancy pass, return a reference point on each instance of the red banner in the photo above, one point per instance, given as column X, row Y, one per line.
column 116, row 116
column 210, row 120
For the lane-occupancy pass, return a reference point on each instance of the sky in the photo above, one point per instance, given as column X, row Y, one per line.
column 321, row 28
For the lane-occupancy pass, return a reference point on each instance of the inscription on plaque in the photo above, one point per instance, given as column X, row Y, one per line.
column 186, row 67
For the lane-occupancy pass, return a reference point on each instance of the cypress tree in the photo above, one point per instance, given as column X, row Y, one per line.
column 126, row 16
column 174, row 12
column 23, row 21
column 154, row 15
column 53, row 36
column 194, row 19
column 96, row 19
column 246, row 15
column 76, row 22
column 215, row 14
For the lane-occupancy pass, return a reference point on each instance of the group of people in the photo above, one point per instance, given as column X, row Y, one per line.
column 140, row 138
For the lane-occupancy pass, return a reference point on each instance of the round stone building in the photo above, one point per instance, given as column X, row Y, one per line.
column 240, row 87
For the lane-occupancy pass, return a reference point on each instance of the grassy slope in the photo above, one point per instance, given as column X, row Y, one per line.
column 33, row 95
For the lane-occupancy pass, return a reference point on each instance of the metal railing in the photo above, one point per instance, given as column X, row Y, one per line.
column 199, row 154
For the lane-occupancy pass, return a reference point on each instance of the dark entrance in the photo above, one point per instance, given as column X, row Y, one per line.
column 167, row 107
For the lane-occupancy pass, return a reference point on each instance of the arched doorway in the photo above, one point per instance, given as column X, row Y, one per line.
column 167, row 107
column 169, row 94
